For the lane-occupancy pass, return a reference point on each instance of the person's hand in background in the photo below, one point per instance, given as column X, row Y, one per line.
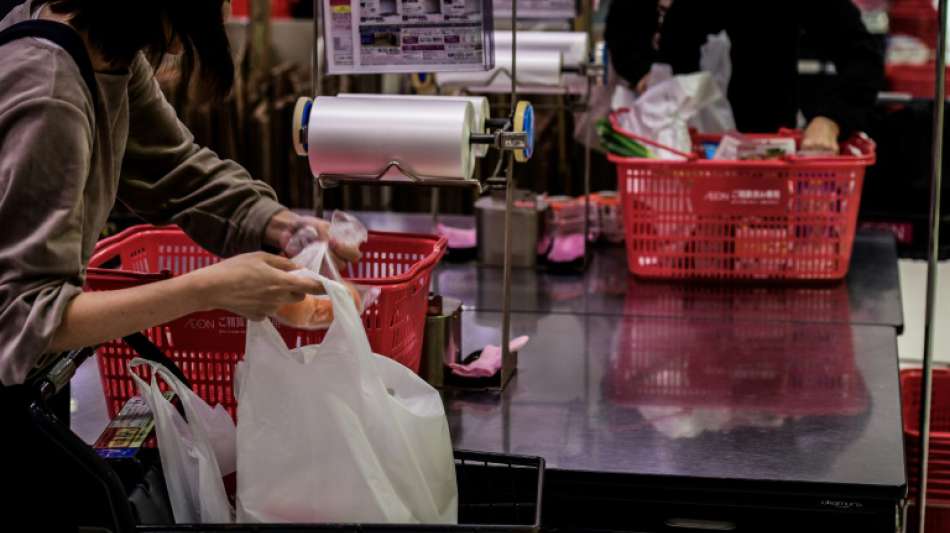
column 291, row 233
column 821, row 136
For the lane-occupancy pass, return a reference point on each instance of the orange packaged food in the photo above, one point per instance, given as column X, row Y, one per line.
column 313, row 312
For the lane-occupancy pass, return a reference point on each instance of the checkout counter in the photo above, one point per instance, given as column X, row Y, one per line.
column 675, row 407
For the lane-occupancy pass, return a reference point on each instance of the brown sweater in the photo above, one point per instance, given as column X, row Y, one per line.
column 63, row 164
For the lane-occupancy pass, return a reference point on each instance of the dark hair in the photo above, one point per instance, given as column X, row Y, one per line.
column 120, row 29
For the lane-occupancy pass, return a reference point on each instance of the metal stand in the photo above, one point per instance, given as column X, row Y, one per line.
column 932, row 256
column 509, row 360
column 315, row 90
column 505, row 139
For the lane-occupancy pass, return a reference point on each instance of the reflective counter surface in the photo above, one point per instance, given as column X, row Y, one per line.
column 869, row 295
column 788, row 402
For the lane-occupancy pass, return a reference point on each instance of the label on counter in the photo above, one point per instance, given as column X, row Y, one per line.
column 379, row 36
column 538, row 9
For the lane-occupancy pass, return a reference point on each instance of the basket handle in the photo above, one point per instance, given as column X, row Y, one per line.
column 103, row 251
column 615, row 123
column 124, row 275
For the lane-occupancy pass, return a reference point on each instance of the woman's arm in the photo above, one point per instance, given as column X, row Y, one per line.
column 251, row 285
column 167, row 178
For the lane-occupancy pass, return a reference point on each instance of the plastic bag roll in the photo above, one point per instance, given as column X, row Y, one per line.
column 480, row 106
column 535, row 67
column 361, row 136
column 573, row 45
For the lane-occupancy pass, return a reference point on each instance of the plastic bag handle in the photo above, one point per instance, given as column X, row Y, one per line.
column 181, row 390
column 615, row 123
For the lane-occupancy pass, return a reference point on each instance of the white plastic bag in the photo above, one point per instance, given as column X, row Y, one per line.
column 334, row 433
column 315, row 312
column 664, row 111
column 196, row 453
column 715, row 58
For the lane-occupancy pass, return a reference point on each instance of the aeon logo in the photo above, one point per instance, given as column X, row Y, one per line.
column 717, row 196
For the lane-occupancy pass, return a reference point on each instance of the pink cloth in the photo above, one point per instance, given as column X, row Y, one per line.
column 457, row 237
column 567, row 248
column 489, row 363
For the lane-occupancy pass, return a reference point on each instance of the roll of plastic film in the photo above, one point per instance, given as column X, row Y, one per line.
column 573, row 45
column 480, row 106
column 536, row 67
column 362, row 136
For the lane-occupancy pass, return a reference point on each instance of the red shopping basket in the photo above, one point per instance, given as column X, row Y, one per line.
column 781, row 219
column 916, row 18
column 209, row 344
column 939, row 412
column 919, row 81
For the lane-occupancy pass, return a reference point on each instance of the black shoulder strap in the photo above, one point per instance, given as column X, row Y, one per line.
column 6, row 6
column 65, row 37
column 150, row 352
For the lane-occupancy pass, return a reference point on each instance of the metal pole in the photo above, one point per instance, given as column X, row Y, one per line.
column 509, row 204
column 589, row 16
column 315, row 91
column 932, row 256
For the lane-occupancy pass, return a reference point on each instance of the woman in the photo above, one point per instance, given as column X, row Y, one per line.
column 66, row 157
column 765, row 36
column 63, row 164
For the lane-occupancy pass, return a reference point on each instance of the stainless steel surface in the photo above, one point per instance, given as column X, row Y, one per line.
column 443, row 341
column 494, row 245
column 870, row 294
column 932, row 257
column 806, row 403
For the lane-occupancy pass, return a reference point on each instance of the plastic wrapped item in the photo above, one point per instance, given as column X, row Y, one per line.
column 346, row 230
column 315, row 312
column 664, row 112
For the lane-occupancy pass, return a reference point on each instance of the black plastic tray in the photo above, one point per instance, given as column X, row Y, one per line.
column 496, row 493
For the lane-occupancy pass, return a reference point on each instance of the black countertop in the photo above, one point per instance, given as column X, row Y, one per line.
column 869, row 295
column 730, row 383
column 734, row 400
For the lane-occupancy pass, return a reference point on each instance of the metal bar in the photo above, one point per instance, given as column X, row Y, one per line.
column 932, row 256
column 509, row 204
column 315, row 91
column 588, row 7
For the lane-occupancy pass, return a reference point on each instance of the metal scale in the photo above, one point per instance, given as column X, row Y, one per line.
column 513, row 136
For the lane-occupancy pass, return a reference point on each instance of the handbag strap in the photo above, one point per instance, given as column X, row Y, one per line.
column 150, row 352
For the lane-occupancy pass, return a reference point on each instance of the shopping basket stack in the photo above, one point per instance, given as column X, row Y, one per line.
column 917, row 18
column 938, row 466
column 208, row 345
column 779, row 219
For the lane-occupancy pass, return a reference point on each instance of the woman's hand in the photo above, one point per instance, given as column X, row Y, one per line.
column 821, row 136
column 252, row 285
column 286, row 225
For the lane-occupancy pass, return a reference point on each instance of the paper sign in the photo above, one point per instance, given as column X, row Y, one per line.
column 538, row 9
column 379, row 36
